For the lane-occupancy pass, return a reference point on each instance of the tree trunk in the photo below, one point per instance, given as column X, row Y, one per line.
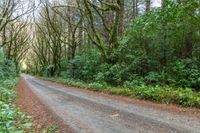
column 80, row 35
column 69, row 35
column 121, row 22
column 148, row 5
column 109, row 19
column 134, row 9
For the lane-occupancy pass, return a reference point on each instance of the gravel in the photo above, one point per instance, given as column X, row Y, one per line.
column 88, row 113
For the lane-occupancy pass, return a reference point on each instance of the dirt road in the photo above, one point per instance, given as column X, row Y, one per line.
column 87, row 113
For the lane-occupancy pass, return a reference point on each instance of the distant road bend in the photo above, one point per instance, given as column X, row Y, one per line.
column 88, row 113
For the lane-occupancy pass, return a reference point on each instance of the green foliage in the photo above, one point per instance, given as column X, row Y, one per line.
column 157, row 58
column 114, row 74
column 6, row 95
column 137, row 81
column 97, row 86
column 186, row 73
column 84, row 66
column 11, row 119
column 152, row 77
column 160, row 47
column 180, row 96
column 7, row 67
column 121, row 92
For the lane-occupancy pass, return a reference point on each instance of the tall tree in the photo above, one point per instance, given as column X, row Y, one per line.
column 148, row 5
column 134, row 9
column 113, row 29
column 122, row 12
column 16, row 40
column 7, row 9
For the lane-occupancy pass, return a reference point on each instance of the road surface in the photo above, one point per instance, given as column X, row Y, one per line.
column 87, row 113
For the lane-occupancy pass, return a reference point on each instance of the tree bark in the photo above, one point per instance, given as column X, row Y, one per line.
column 81, row 34
column 134, row 9
column 121, row 22
column 148, row 5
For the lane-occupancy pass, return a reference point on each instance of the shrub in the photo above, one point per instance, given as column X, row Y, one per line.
column 84, row 66
column 186, row 73
column 7, row 67
column 114, row 74
column 152, row 77
column 138, row 81
column 100, row 77
column 6, row 95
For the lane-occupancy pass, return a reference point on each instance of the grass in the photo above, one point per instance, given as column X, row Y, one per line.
column 185, row 97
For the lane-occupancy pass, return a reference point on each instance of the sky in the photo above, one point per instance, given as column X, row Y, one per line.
column 156, row 3
column 26, row 4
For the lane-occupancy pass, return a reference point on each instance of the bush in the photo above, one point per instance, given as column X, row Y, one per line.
column 152, row 77
column 114, row 74
column 84, row 66
column 6, row 95
column 186, row 73
column 138, row 81
column 7, row 68
column 100, row 77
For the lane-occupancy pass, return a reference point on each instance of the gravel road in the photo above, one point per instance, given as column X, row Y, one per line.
column 87, row 113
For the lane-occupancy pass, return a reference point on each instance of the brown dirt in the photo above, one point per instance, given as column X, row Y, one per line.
column 42, row 118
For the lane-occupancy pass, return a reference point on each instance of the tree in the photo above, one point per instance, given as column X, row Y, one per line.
column 148, row 5
column 16, row 41
column 113, row 30
column 122, row 12
column 7, row 8
column 135, row 8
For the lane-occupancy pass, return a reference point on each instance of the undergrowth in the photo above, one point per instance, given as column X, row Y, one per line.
column 11, row 119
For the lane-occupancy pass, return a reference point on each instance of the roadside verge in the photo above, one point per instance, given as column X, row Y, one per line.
column 42, row 118
column 166, row 95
